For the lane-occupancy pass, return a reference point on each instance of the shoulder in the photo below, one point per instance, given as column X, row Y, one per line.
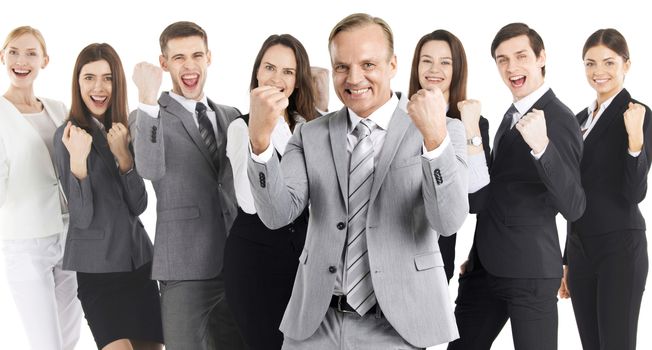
column 54, row 105
column 228, row 111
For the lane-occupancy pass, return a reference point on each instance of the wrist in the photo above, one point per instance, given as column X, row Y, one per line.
column 147, row 98
column 259, row 144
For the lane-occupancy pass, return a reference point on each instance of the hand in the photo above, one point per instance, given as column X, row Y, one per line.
column 267, row 104
column 118, row 139
column 564, row 292
column 78, row 143
column 634, row 117
column 533, row 129
column 427, row 109
column 470, row 113
column 320, row 84
column 463, row 267
column 147, row 78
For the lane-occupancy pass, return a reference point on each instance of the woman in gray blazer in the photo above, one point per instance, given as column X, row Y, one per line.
column 107, row 244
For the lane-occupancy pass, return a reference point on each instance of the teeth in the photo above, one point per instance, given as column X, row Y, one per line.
column 21, row 71
column 99, row 98
column 434, row 79
column 358, row 92
column 516, row 77
column 190, row 76
column 600, row 81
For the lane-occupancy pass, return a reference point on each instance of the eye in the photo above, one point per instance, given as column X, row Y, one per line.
column 426, row 60
column 31, row 53
column 521, row 57
column 368, row 66
column 270, row 67
column 446, row 62
column 88, row 78
column 108, row 78
column 288, row 72
column 588, row 64
column 609, row 63
column 501, row 60
column 177, row 58
column 198, row 55
column 13, row 52
column 341, row 68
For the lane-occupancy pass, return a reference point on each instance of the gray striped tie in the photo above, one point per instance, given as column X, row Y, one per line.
column 206, row 131
column 359, row 290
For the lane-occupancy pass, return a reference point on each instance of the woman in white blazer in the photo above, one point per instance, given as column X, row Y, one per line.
column 33, row 210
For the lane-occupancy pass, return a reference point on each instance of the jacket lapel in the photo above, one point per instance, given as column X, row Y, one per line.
column 616, row 109
column 187, row 120
column 337, row 129
column 51, row 113
column 101, row 146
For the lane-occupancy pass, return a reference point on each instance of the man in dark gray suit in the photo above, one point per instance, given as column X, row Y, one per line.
column 180, row 147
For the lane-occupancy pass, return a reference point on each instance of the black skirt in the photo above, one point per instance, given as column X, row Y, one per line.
column 121, row 305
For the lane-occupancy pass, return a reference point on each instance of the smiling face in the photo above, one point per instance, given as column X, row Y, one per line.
column 362, row 68
column 519, row 66
column 278, row 68
column 24, row 58
column 605, row 71
column 436, row 66
column 96, row 86
column 187, row 60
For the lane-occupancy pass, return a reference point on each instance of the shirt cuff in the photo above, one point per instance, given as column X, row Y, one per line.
column 150, row 110
column 537, row 156
column 478, row 172
column 264, row 157
column 634, row 154
column 430, row 155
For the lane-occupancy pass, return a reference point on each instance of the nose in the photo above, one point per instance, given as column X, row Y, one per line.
column 354, row 76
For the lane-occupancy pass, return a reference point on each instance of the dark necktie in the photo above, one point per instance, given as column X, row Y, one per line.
column 504, row 126
column 206, row 131
column 359, row 290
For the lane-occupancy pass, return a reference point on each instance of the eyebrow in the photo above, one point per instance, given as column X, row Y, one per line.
column 27, row 49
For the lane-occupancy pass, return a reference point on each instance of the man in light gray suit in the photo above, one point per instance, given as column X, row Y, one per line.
column 180, row 146
column 382, row 185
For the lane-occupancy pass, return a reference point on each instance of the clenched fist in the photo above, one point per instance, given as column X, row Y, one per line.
column 633, row 118
column 533, row 129
column 78, row 143
column 118, row 139
column 147, row 78
column 267, row 104
column 320, row 84
column 427, row 109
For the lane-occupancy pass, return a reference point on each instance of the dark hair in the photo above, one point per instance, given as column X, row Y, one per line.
column 182, row 29
column 457, row 90
column 610, row 38
column 302, row 99
column 513, row 30
column 118, row 109
column 361, row 19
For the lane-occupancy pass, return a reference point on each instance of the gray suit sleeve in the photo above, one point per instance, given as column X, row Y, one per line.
column 79, row 193
column 134, row 192
column 280, row 190
column 149, row 145
column 445, row 184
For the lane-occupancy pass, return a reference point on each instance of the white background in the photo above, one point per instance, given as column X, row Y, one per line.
column 236, row 30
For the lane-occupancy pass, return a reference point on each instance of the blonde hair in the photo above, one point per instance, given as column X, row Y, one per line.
column 20, row 31
column 357, row 20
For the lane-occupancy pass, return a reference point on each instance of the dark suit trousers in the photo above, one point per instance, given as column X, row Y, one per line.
column 606, row 279
column 447, row 248
column 196, row 316
column 485, row 302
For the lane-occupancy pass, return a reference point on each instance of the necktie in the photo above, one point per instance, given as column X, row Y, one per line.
column 359, row 290
column 504, row 126
column 206, row 131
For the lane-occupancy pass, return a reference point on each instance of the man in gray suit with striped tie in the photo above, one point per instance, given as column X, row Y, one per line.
column 382, row 185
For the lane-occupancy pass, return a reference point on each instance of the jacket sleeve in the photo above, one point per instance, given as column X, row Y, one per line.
column 79, row 193
column 149, row 145
column 4, row 172
column 134, row 191
column 637, row 168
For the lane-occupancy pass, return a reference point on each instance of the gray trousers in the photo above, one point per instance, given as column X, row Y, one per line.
column 196, row 316
column 349, row 331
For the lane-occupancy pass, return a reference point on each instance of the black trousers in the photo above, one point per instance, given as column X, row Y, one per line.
column 606, row 279
column 447, row 248
column 485, row 302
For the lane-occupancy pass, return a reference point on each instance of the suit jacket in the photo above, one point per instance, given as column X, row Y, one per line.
column 614, row 181
column 30, row 186
column 516, row 234
column 413, row 201
column 196, row 202
column 105, row 234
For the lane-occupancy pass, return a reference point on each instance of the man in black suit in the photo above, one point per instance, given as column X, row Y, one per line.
column 515, row 265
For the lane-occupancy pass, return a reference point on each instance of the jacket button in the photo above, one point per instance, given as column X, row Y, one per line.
column 332, row 269
column 291, row 229
column 438, row 177
column 341, row 226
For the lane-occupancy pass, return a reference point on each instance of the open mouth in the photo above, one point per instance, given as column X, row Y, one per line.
column 21, row 72
column 434, row 80
column 357, row 92
column 190, row 80
column 517, row 81
column 601, row 81
column 99, row 101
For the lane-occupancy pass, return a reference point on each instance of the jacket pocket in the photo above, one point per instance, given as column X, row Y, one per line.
column 303, row 258
column 76, row 233
column 427, row 261
column 181, row 213
column 406, row 162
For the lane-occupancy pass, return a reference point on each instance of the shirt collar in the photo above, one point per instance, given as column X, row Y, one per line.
column 189, row 104
column 380, row 117
column 593, row 106
column 525, row 104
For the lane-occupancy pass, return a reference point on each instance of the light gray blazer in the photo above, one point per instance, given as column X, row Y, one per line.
column 196, row 202
column 413, row 201
column 105, row 234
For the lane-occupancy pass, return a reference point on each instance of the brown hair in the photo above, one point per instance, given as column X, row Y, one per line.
column 513, row 30
column 302, row 99
column 20, row 31
column 457, row 90
column 610, row 38
column 361, row 19
column 118, row 110
column 182, row 29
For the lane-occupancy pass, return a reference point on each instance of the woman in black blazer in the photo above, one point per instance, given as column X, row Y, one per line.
column 106, row 244
column 260, row 264
column 440, row 61
column 606, row 248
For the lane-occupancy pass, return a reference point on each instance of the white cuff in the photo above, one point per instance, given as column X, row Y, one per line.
column 430, row 155
column 150, row 110
column 264, row 157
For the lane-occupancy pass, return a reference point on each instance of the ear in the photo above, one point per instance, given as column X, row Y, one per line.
column 627, row 65
column 2, row 56
column 541, row 60
column 46, row 60
column 208, row 57
column 163, row 62
column 392, row 65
